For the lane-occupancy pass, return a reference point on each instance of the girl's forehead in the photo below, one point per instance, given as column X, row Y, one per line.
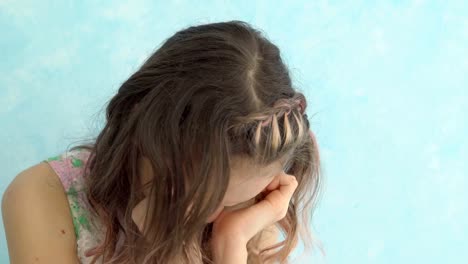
column 242, row 162
column 249, row 173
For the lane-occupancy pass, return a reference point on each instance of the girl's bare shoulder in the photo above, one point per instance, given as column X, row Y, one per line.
column 37, row 218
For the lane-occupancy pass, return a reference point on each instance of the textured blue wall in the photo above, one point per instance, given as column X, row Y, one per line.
column 386, row 79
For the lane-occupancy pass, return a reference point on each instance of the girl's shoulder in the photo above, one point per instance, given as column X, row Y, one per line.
column 35, row 210
column 70, row 167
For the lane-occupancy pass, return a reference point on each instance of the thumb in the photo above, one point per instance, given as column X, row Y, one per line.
column 274, row 184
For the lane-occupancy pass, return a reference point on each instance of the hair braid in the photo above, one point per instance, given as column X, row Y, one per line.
column 282, row 108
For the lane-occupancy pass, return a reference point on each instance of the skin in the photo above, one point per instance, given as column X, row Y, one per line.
column 247, row 181
column 233, row 229
column 37, row 218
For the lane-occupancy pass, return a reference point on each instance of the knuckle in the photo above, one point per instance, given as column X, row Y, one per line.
column 281, row 213
column 294, row 181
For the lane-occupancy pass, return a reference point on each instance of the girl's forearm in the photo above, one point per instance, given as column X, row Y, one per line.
column 230, row 252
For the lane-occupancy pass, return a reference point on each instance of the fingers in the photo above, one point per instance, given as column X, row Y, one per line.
column 280, row 197
column 273, row 184
column 276, row 182
column 288, row 184
column 274, row 206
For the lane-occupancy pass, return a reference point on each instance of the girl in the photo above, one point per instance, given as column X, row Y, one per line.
column 205, row 156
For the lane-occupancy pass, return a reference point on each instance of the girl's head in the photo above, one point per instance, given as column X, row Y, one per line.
column 213, row 116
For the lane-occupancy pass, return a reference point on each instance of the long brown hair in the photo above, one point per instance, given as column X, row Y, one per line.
column 209, row 93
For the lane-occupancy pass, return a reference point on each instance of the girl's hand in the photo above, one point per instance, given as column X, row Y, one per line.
column 241, row 225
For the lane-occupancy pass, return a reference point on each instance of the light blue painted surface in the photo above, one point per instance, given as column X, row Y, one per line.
column 387, row 78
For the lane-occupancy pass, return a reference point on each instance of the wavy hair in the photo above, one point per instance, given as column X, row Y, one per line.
column 209, row 93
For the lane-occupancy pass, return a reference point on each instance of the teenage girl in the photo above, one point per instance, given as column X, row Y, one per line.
column 205, row 157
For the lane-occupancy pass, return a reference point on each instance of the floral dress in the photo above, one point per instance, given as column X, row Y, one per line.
column 89, row 230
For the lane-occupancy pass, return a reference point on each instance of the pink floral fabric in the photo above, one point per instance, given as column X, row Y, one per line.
column 89, row 231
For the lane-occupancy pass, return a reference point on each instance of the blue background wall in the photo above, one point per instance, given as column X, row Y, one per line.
column 386, row 79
